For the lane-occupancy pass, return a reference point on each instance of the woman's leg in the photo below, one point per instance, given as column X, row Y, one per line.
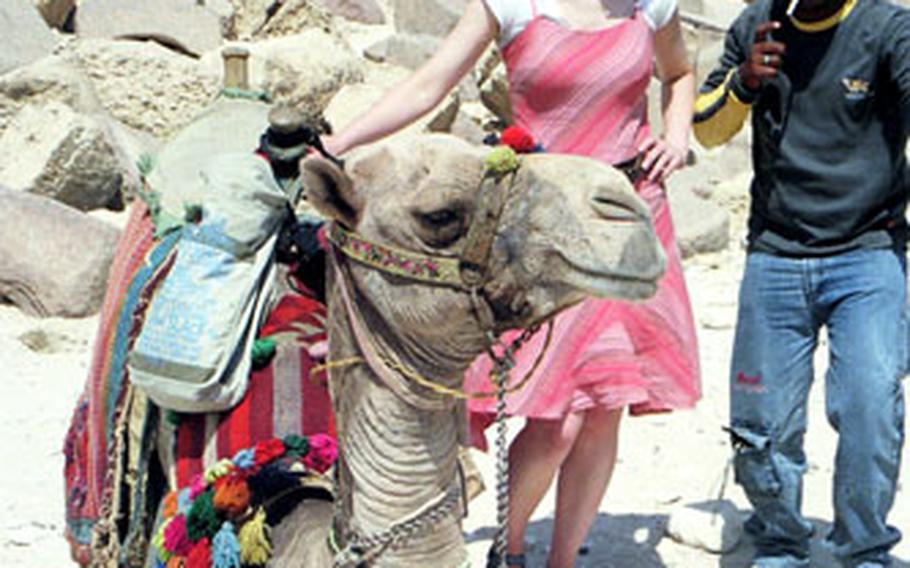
column 583, row 480
column 534, row 457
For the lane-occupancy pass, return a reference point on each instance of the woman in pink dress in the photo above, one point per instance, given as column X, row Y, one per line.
column 578, row 73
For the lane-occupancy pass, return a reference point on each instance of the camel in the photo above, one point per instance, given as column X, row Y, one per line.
column 570, row 227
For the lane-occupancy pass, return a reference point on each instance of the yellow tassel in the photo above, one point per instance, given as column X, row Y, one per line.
column 218, row 470
column 255, row 548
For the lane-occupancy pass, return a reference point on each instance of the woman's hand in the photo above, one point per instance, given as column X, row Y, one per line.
column 660, row 159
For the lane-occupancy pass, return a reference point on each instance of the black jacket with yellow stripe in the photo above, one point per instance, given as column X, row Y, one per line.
column 829, row 131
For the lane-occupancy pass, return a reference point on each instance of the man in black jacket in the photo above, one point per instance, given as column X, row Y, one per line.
column 828, row 86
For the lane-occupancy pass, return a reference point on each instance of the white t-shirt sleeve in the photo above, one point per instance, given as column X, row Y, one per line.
column 658, row 13
column 513, row 16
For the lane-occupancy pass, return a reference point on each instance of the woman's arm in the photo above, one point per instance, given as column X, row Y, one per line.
column 427, row 86
column 668, row 153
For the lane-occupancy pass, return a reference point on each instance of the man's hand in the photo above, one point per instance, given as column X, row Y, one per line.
column 765, row 58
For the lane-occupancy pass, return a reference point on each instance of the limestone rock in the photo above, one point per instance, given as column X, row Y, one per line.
column 405, row 50
column 306, row 69
column 295, row 16
column 145, row 85
column 182, row 24
column 249, row 17
column 364, row 11
column 354, row 100
column 75, row 159
column 55, row 12
column 53, row 78
column 24, row 36
column 53, row 259
column 468, row 128
column 713, row 526
column 432, row 17
column 701, row 226
column 494, row 94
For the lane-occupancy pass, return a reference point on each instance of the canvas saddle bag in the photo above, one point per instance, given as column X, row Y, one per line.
column 194, row 350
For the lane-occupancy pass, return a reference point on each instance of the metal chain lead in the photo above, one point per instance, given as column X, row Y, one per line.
column 502, row 471
column 361, row 549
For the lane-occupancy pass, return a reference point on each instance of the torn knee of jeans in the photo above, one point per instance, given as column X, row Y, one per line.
column 753, row 463
column 744, row 435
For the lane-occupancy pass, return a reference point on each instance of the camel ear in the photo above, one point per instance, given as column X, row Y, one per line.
column 331, row 191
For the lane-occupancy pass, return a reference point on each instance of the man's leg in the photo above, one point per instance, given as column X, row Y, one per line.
column 776, row 334
column 866, row 291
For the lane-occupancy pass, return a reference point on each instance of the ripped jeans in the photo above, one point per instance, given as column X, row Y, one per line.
column 860, row 297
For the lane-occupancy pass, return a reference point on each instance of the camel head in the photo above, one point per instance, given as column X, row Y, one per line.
column 570, row 227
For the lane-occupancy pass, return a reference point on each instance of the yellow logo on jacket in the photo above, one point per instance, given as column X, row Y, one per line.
column 856, row 88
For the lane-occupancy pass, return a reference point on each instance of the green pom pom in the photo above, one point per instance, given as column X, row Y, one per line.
column 202, row 519
column 264, row 350
column 296, row 446
column 501, row 160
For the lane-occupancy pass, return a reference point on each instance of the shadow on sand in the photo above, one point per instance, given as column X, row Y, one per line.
column 630, row 541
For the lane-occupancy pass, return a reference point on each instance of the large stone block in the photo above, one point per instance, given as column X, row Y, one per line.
column 404, row 50
column 701, row 226
column 145, row 85
column 54, row 259
column 431, row 17
column 365, row 11
column 24, row 36
column 50, row 79
column 295, row 16
column 75, row 159
column 185, row 25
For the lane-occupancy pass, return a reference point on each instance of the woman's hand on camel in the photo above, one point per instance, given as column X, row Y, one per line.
column 661, row 158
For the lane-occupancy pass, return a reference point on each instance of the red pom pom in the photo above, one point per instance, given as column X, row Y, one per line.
column 268, row 451
column 323, row 453
column 200, row 556
column 518, row 139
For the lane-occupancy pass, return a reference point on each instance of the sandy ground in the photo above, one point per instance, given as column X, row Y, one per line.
column 665, row 460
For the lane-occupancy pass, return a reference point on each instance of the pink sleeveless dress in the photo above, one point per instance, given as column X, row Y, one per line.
column 584, row 92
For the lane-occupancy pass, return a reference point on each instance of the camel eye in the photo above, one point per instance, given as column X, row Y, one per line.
column 440, row 228
column 440, row 218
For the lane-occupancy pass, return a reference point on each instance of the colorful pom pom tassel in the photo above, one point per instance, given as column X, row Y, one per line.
column 255, row 548
column 225, row 548
column 219, row 470
column 244, row 459
column 202, row 520
column 158, row 542
column 200, row 556
column 296, row 446
column 232, row 496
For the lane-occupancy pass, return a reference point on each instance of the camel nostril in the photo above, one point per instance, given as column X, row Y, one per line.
column 612, row 210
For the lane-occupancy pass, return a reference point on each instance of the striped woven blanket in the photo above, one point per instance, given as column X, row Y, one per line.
column 116, row 435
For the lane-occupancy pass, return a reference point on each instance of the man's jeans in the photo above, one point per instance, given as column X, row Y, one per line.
column 860, row 297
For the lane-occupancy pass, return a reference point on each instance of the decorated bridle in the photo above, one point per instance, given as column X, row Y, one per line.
column 468, row 273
